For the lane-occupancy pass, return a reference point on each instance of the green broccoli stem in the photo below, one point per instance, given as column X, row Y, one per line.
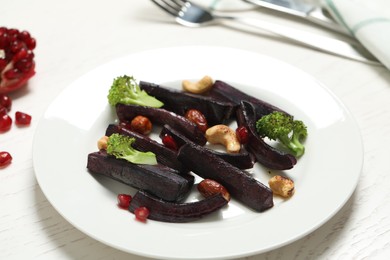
column 293, row 144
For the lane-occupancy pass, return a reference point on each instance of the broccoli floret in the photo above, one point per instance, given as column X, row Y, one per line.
column 283, row 128
column 120, row 147
column 125, row 90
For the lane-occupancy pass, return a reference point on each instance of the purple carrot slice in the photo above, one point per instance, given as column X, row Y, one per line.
column 224, row 91
column 144, row 143
column 242, row 160
column 265, row 154
column 159, row 180
column 162, row 116
column 239, row 184
column 161, row 210
column 215, row 111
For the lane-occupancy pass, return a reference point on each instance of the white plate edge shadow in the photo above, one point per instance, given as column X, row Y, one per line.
column 162, row 76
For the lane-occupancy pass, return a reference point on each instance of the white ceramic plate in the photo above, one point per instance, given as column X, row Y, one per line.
column 325, row 176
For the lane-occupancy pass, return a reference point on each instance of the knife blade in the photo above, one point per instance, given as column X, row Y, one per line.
column 299, row 8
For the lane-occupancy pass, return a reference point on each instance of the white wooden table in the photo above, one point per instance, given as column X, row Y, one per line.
column 76, row 36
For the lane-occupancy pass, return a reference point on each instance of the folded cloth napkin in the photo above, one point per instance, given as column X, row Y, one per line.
column 368, row 21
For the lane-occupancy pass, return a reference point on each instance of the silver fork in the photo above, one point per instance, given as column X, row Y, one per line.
column 192, row 15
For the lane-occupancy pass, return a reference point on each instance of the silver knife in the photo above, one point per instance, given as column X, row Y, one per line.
column 302, row 9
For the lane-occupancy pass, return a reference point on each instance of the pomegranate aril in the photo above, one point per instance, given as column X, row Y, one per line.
column 22, row 118
column 5, row 123
column 4, row 41
column 5, row 159
column 21, row 54
column 3, row 111
column 169, row 142
column 31, row 43
column 124, row 200
column 16, row 46
column 23, row 65
column 242, row 134
column 24, row 35
column 5, row 101
column 3, row 64
column 141, row 213
column 13, row 74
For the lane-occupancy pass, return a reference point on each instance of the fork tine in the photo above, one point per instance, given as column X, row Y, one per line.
column 167, row 7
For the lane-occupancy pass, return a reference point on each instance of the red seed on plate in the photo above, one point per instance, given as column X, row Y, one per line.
column 242, row 134
column 169, row 142
column 141, row 213
column 124, row 200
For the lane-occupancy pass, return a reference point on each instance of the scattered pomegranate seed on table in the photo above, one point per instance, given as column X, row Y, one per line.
column 5, row 123
column 22, row 119
column 5, row 159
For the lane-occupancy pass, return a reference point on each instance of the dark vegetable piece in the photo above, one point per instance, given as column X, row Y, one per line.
column 176, row 212
column 215, row 111
column 265, row 154
column 159, row 180
column 223, row 91
column 143, row 143
column 239, row 184
column 242, row 160
column 162, row 116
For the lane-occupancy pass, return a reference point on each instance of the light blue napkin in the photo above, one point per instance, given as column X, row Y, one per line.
column 368, row 21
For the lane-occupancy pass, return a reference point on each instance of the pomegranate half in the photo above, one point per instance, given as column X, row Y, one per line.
column 17, row 64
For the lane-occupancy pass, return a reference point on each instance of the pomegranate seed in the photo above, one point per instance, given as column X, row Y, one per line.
column 5, row 123
column 23, row 65
column 124, row 201
column 31, row 43
column 3, row 111
column 4, row 41
column 169, row 142
column 21, row 54
column 242, row 134
column 141, row 213
column 5, row 159
column 12, row 74
column 3, row 63
column 24, row 35
column 22, row 118
column 16, row 46
column 5, row 101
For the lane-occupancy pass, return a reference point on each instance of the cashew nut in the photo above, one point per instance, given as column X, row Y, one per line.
column 102, row 143
column 222, row 134
column 282, row 186
column 198, row 87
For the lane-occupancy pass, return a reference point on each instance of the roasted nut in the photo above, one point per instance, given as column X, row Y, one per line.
column 141, row 124
column 102, row 143
column 282, row 186
column 198, row 118
column 222, row 134
column 198, row 87
column 208, row 187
